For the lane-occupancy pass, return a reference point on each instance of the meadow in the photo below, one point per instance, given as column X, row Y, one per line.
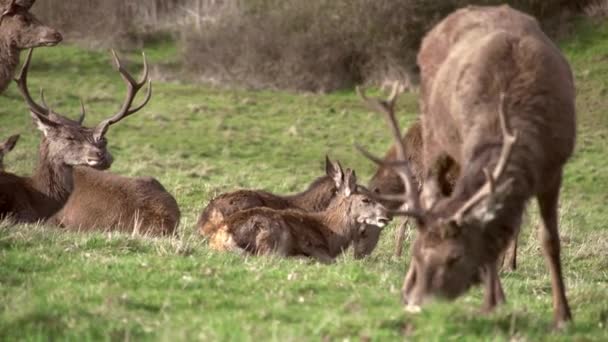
column 200, row 141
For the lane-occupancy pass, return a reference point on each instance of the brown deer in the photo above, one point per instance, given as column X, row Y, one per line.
column 292, row 232
column 316, row 198
column 110, row 202
column 487, row 73
column 65, row 144
column 6, row 147
column 386, row 181
column 20, row 30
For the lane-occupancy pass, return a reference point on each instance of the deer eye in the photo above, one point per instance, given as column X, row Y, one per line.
column 366, row 200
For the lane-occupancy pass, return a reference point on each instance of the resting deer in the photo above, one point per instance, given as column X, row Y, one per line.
column 6, row 147
column 316, row 198
column 497, row 98
column 20, row 30
column 65, row 144
column 291, row 232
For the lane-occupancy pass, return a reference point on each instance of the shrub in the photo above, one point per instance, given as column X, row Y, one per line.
column 322, row 45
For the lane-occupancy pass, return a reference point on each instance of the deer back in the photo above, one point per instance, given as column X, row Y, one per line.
column 106, row 201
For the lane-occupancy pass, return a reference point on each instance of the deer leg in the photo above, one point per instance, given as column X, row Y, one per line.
column 493, row 294
column 548, row 204
column 399, row 237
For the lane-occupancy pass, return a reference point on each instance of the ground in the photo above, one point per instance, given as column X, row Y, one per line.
column 199, row 141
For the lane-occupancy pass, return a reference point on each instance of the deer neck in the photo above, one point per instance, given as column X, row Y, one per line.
column 340, row 226
column 52, row 177
column 9, row 59
column 514, row 188
column 315, row 198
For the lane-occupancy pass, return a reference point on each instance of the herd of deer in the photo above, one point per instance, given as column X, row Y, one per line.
column 497, row 125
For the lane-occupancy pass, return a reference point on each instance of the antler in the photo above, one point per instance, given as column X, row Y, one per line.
column 21, row 81
column 9, row 10
column 509, row 139
column 133, row 88
column 387, row 107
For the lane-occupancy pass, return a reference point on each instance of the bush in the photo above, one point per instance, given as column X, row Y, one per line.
column 322, row 45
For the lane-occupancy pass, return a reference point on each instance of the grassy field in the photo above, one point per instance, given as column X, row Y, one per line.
column 199, row 141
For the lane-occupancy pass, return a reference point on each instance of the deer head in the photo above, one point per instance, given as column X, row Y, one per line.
column 23, row 29
column 70, row 143
column 6, row 147
column 355, row 202
column 446, row 258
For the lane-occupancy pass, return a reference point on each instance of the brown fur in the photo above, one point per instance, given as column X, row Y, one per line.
column 20, row 30
column 466, row 62
column 6, row 147
column 106, row 201
column 291, row 232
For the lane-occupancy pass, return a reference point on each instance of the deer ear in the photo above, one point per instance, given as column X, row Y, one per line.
column 350, row 182
column 44, row 124
column 334, row 170
column 10, row 143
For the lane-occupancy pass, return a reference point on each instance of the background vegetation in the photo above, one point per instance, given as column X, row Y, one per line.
column 200, row 140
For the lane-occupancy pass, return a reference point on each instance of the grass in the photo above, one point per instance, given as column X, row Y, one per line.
column 199, row 141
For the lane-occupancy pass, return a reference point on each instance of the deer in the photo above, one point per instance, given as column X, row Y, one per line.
column 497, row 96
column 104, row 201
column 7, row 146
column 64, row 145
column 20, row 30
column 291, row 232
column 315, row 198
column 386, row 181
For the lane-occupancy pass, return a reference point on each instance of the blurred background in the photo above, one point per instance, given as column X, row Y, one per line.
column 312, row 45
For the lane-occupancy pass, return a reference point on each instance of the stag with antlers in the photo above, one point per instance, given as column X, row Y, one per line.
column 65, row 144
column 497, row 97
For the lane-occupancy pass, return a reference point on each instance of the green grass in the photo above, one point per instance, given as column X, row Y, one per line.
column 199, row 141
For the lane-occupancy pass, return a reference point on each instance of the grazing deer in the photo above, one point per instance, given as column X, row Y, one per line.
column 316, row 198
column 385, row 181
column 292, row 232
column 65, row 144
column 20, row 30
column 498, row 98
column 6, row 147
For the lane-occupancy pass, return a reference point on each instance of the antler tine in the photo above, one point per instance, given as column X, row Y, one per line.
column 509, row 139
column 387, row 108
column 21, row 81
column 133, row 87
column 83, row 112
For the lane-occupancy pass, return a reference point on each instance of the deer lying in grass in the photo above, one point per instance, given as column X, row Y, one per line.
column 20, row 30
column 6, row 147
column 65, row 144
column 487, row 70
column 291, row 232
column 316, row 198
column 109, row 202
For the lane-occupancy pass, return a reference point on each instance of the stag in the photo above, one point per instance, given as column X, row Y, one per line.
column 110, row 202
column 6, row 147
column 65, row 144
column 292, row 232
column 20, row 30
column 386, row 181
column 316, row 198
column 497, row 97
